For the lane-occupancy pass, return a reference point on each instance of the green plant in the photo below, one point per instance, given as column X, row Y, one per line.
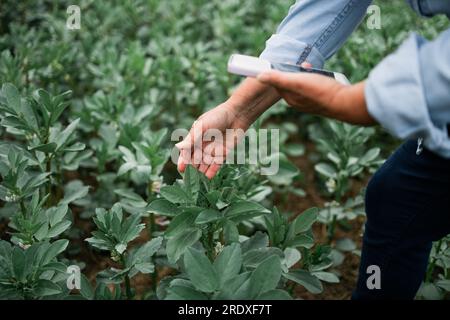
column 114, row 234
column 32, row 273
column 224, row 278
column 436, row 284
column 203, row 210
column 346, row 156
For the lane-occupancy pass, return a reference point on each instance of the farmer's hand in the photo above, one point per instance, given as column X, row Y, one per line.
column 207, row 156
column 321, row 95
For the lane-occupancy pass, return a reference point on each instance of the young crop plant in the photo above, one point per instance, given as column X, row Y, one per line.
column 226, row 278
column 204, row 238
column 203, row 210
column 114, row 234
column 32, row 163
column 48, row 145
column 246, row 269
column 296, row 239
column 345, row 157
column 33, row 272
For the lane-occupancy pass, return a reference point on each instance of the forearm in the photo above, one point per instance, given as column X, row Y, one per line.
column 251, row 99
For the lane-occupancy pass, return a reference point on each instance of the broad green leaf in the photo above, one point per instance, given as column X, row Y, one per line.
column 19, row 263
column 257, row 241
column 430, row 291
column 180, row 223
column 326, row 170
column 46, row 288
column 242, row 210
column 72, row 194
column 253, row 258
column 175, row 194
column 228, row 263
column 64, row 135
column 230, row 232
column 302, row 240
column 12, row 96
column 46, row 148
column 184, row 293
column 305, row 220
column 291, row 256
column 145, row 267
column 178, row 244
column 76, row 147
column 275, row 294
column 145, row 252
column 208, row 216
column 58, row 228
column 57, row 214
column 200, row 271
column 236, row 288
column 370, row 155
column 306, row 279
column 86, row 289
column 345, row 244
column 54, row 249
column 265, row 277
column 326, row 276
column 192, row 182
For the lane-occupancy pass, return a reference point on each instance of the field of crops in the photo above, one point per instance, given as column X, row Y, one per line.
column 87, row 185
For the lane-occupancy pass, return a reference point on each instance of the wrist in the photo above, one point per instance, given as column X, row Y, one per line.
column 250, row 100
column 354, row 108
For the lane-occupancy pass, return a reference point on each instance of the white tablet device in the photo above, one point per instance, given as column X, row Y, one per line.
column 252, row 66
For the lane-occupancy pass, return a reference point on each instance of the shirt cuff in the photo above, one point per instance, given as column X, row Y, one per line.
column 284, row 49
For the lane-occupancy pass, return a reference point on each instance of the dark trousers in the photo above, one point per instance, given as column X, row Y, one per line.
column 408, row 207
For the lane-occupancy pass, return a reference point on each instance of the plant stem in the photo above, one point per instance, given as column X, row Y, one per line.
column 23, row 209
column 207, row 241
column 331, row 230
column 338, row 197
column 48, row 168
column 151, row 231
column 127, row 280
column 59, row 178
column 432, row 264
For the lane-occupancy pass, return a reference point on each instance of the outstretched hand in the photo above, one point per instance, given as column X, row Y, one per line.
column 210, row 140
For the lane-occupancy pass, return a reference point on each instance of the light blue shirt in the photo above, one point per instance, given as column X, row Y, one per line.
column 408, row 93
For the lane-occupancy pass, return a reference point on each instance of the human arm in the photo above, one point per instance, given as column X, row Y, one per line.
column 312, row 31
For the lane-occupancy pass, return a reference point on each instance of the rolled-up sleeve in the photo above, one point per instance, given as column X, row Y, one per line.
column 408, row 93
column 314, row 30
